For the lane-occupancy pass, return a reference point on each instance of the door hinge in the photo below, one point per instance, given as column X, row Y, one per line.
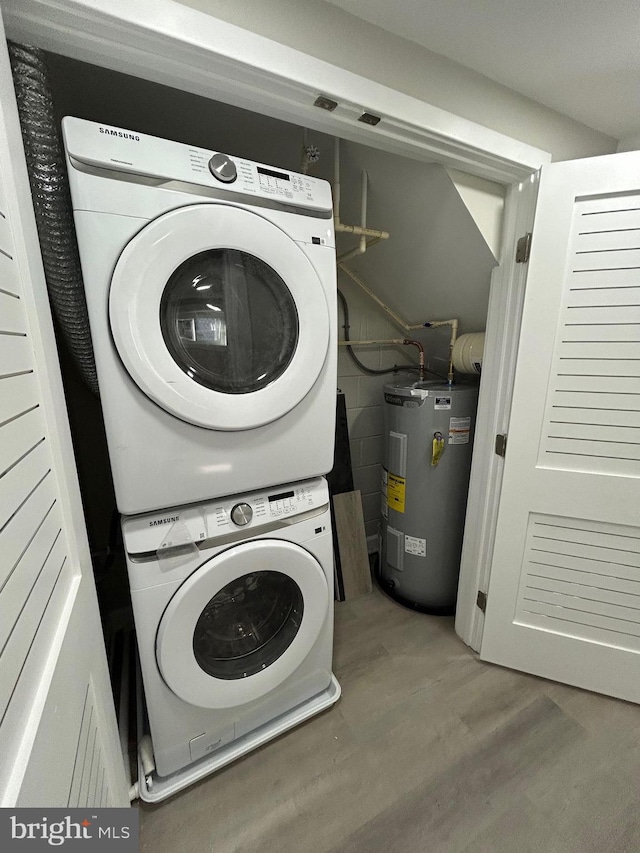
column 481, row 600
column 523, row 248
column 501, row 445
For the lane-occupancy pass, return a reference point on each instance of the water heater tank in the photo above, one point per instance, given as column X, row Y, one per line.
column 429, row 429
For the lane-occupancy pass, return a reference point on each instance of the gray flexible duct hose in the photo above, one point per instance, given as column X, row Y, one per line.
column 52, row 204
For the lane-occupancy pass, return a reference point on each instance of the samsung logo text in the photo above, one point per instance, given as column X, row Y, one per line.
column 169, row 520
column 121, row 133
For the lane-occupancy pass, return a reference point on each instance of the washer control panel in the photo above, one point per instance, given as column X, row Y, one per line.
column 270, row 506
column 127, row 151
column 181, row 526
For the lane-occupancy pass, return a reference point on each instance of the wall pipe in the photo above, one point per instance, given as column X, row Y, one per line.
column 356, row 278
column 373, row 342
column 430, row 324
column 346, row 256
column 364, row 193
column 376, row 372
column 391, row 342
column 359, row 230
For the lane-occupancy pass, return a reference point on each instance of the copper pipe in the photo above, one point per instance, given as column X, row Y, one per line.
column 408, row 342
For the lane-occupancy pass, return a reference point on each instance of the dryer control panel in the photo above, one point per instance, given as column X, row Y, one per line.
column 197, row 523
column 114, row 148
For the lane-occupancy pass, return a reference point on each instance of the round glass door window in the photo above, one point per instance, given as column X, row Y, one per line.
column 248, row 625
column 229, row 321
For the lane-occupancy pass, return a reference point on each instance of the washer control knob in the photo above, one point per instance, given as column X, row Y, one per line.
column 241, row 514
column 223, row 168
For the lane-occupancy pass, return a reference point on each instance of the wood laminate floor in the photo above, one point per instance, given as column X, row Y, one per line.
column 428, row 750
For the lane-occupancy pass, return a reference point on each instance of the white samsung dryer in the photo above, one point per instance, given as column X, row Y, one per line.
column 233, row 608
column 211, row 290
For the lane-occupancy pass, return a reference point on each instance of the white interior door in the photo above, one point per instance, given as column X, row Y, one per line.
column 564, row 595
column 58, row 737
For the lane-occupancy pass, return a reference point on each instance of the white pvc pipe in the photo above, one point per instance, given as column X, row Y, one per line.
column 346, row 256
column 359, row 230
column 363, row 211
column 355, row 277
column 395, row 317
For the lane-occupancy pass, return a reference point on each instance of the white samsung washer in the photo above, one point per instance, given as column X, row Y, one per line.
column 233, row 607
column 211, row 290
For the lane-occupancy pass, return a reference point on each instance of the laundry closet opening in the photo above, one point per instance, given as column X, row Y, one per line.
column 444, row 241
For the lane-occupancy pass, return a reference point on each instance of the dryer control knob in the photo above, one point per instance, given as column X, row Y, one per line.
column 241, row 514
column 223, row 168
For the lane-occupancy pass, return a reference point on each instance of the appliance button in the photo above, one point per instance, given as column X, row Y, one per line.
column 241, row 514
column 223, row 168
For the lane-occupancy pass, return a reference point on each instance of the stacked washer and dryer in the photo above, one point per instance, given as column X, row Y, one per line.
column 211, row 291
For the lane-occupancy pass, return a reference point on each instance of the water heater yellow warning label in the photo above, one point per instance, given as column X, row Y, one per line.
column 396, row 488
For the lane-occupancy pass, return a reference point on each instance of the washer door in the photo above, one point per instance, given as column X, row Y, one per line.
column 242, row 623
column 219, row 316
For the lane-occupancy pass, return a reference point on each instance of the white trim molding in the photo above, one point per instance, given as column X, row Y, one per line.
column 506, row 301
column 168, row 43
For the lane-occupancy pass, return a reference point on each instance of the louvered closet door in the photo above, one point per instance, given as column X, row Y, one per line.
column 58, row 737
column 564, row 595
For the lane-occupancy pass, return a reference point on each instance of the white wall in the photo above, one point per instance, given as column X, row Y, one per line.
column 485, row 202
column 630, row 143
column 329, row 33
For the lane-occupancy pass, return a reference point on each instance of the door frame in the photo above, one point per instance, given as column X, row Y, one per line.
column 165, row 42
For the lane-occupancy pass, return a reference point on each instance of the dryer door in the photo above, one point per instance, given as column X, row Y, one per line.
column 242, row 623
column 219, row 316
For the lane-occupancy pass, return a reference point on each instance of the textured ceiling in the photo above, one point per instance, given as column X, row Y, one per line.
column 579, row 57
